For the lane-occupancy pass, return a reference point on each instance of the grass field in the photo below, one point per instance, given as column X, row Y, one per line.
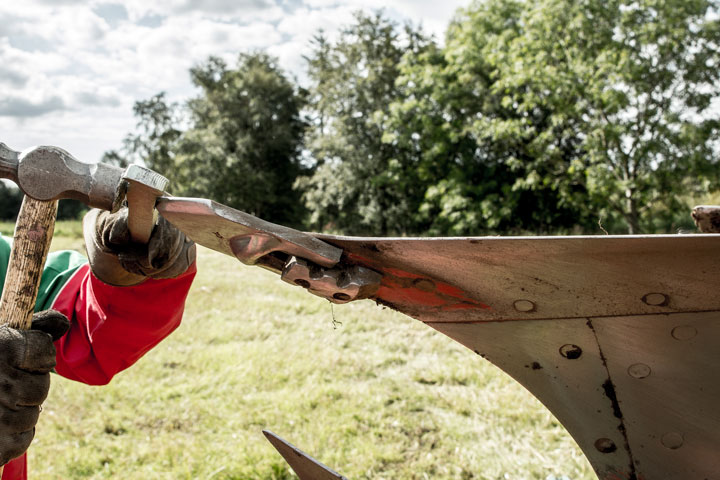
column 375, row 395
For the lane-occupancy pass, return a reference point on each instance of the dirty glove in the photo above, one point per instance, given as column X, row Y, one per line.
column 707, row 218
column 26, row 358
column 117, row 260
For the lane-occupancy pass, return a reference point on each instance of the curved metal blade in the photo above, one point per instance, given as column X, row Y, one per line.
column 251, row 240
column 306, row 467
column 617, row 336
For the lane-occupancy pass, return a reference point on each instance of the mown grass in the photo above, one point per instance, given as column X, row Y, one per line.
column 374, row 395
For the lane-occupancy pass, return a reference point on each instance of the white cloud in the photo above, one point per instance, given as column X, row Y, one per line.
column 85, row 136
column 19, row 107
column 73, row 68
column 30, row 63
column 13, row 78
column 432, row 14
column 305, row 22
column 248, row 10
column 300, row 27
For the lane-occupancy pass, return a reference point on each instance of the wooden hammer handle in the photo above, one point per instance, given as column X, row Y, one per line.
column 31, row 242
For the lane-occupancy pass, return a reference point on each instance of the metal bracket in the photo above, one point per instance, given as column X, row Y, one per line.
column 341, row 284
column 300, row 258
column 143, row 188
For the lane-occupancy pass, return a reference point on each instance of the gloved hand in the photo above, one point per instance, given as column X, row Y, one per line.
column 707, row 218
column 26, row 358
column 117, row 260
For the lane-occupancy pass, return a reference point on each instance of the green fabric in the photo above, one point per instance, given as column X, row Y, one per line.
column 4, row 259
column 59, row 267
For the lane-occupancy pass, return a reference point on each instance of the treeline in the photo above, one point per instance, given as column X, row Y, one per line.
column 547, row 116
column 11, row 198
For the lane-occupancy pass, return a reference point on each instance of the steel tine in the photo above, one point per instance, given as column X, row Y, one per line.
column 304, row 466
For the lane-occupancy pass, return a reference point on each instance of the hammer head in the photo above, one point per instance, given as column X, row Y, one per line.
column 51, row 173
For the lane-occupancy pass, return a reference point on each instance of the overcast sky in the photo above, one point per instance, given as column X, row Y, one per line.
column 72, row 69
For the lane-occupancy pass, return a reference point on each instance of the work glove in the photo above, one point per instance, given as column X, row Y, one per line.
column 26, row 359
column 117, row 260
column 707, row 218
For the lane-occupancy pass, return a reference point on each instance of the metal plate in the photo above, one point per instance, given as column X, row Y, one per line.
column 520, row 278
column 666, row 372
column 559, row 362
column 618, row 336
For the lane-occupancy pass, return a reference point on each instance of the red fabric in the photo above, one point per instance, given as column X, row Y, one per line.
column 16, row 469
column 111, row 328
column 115, row 326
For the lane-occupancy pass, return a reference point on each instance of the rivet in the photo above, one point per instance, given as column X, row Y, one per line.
column 424, row 284
column 605, row 445
column 341, row 296
column 656, row 299
column 570, row 351
column 302, row 283
column 672, row 440
column 524, row 306
column 639, row 370
column 684, row 332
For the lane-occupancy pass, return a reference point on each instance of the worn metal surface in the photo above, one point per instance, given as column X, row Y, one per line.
column 144, row 186
column 50, row 173
column 300, row 258
column 558, row 361
column 306, row 467
column 639, row 394
column 503, row 278
column 341, row 284
column 666, row 370
column 252, row 240
column 617, row 336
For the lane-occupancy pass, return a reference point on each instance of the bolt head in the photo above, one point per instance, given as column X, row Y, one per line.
column 672, row 440
column 524, row 306
column 570, row 351
column 605, row 445
column 656, row 299
column 639, row 370
column 684, row 332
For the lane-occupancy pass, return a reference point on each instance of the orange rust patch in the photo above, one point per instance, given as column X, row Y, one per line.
column 402, row 287
column 410, row 295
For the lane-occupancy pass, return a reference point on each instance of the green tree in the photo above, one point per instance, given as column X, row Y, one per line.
column 10, row 200
column 601, row 108
column 242, row 145
column 156, row 138
column 473, row 182
column 361, row 184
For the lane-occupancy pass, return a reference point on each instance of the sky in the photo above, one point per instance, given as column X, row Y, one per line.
column 72, row 69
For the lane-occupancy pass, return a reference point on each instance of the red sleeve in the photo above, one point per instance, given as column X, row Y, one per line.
column 112, row 327
column 16, row 469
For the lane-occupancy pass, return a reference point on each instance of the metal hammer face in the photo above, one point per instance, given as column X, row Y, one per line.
column 50, row 173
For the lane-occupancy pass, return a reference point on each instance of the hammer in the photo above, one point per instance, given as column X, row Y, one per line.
column 45, row 175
